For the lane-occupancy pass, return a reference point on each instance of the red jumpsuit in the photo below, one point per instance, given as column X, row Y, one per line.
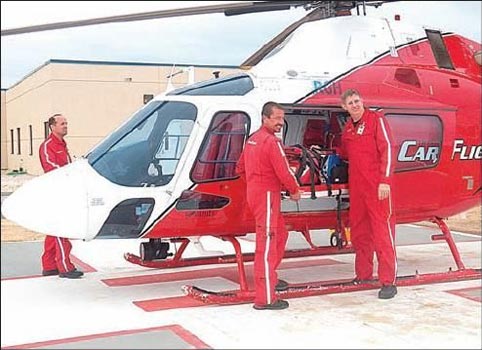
column 265, row 167
column 54, row 154
column 368, row 146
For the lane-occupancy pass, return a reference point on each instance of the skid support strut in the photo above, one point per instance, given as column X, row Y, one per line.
column 447, row 237
column 178, row 261
column 239, row 259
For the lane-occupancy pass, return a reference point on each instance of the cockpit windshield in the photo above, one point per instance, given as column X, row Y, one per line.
column 146, row 150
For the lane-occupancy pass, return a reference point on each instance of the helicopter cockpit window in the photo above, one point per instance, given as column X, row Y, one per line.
column 222, row 147
column 172, row 145
column 234, row 85
column 146, row 150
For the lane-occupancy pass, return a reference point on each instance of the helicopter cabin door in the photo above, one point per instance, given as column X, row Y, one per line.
column 312, row 137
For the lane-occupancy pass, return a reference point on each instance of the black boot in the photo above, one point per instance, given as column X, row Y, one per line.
column 277, row 305
column 387, row 292
column 71, row 274
column 281, row 286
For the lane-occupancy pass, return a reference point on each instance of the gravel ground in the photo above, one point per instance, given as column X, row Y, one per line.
column 11, row 182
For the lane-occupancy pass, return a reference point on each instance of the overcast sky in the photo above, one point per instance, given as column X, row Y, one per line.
column 205, row 39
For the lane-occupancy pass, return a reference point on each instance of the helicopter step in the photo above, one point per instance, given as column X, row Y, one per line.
column 323, row 287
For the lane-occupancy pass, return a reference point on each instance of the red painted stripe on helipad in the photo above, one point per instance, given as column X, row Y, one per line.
column 185, row 335
column 21, row 277
column 472, row 293
column 158, row 304
column 230, row 273
column 188, row 337
column 187, row 301
column 173, row 303
column 83, row 266
column 161, row 277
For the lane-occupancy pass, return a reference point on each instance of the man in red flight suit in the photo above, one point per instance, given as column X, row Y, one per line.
column 368, row 146
column 265, row 168
column 54, row 154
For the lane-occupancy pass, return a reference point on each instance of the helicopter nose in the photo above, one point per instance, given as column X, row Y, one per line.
column 54, row 203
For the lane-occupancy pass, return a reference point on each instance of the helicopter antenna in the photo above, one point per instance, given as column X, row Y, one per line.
column 169, row 86
column 190, row 80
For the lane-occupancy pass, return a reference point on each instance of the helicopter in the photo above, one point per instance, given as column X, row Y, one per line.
column 168, row 173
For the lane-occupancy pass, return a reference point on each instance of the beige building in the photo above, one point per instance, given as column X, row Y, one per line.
column 96, row 97
column 3, row 126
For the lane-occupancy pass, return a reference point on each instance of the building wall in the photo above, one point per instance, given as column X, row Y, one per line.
column 95, row 99
column 3, row 132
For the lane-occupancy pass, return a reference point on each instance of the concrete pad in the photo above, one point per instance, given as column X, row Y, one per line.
column 126, row 306
column 24, row 260
column 170, row 337
column 21, row 259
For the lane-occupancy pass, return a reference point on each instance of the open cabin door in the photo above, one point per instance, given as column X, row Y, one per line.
column 312, row 139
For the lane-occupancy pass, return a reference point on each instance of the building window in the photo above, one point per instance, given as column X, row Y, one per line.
column 12, row 144
column 46, row 130
column 148, row 97
column 19, row 151
column 31, row 139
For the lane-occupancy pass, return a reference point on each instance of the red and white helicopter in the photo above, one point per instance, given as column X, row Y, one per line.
column 168, row 173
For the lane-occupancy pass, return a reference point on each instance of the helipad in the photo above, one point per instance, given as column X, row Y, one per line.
column 117, row 305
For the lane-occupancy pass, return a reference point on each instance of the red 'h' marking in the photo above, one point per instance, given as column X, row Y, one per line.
column 229, row 273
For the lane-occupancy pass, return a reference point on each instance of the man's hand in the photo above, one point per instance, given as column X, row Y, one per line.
column 383, row 191
column 295, row 196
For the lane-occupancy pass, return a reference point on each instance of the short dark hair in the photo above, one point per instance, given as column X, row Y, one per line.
column 268, row 108
column 348, row 93
column 53, row 119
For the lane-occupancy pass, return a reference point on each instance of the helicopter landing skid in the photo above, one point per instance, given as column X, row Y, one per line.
column 323, row 287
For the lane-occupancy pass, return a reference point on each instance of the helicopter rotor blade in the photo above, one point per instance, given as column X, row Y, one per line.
column 228, row 9
column 256, row 57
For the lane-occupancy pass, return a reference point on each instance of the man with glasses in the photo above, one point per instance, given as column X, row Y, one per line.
column 367, row 145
